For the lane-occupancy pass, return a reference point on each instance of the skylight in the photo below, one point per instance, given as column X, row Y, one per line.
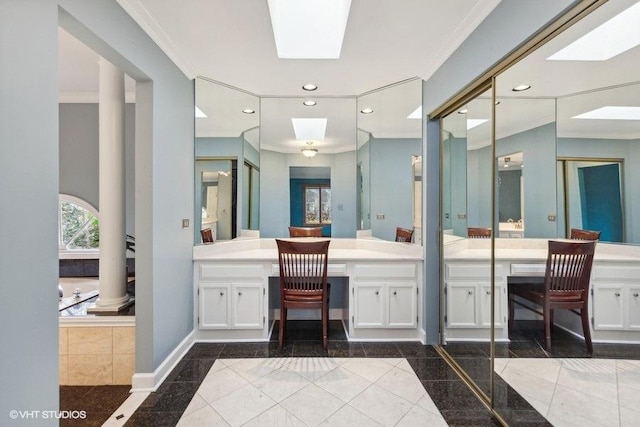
column 617, row 35
column 309, row 29
column 309, row 129
column 471, row 123
column 611, row 113
column 200, row 114
column 417, row 113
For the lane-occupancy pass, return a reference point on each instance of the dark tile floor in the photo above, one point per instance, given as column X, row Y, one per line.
column 98, row 402
column 457, row 403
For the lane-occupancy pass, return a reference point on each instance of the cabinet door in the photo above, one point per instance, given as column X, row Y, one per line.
column 608, row 307
column 369, row 305
column 485, row 305
column 461, row 305
column 402, row 308
column 247, row 306
column 214, row 306
column 633, row 305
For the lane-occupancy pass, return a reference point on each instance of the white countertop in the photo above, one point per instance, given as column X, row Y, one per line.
column 340, row 249
column 529, row 250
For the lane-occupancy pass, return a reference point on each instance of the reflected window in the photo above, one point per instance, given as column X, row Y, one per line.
column 317, row 205
column 78, row 224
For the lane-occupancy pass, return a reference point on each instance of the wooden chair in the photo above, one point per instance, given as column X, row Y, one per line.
column 577, row 234
column 404, row 235
column 566, row 286
column 207, row 235
column 305, row 231
column 303, row 281
column 478, row 233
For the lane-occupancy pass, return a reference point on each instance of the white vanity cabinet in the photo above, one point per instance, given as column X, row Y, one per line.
column 615, row 298
column 230, row 296
column 385, row 296
column 468, row 299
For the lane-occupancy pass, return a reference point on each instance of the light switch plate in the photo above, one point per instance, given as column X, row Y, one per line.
column 551, row 217
column 185, row 223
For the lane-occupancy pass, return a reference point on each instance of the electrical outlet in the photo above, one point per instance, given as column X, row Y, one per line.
column 379, row 216
column 185, row 223
column 551, row 218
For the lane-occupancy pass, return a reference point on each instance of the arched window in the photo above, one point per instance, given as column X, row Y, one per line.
column 78, row 224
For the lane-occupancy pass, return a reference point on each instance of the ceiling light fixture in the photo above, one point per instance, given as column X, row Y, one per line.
column 309, row 103
column 309, row 87
column 248, row 111
column 309, row 151
column 613, row 37
column 366, row 110
column 506, row 161
column 521, row 88
column 311, row 29
column 611, row 113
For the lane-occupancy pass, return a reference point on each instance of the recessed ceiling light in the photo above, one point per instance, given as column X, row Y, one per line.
column 248, row 111
column 200, row 114
column 417, row 113
column 366, row 110
column 309, row 87
column 611, row 113
column 520, row 88
column 309, row 129
column 463, row 111
column 309, row 103
column 613, row 37
column 471, row 123
column 312, row 29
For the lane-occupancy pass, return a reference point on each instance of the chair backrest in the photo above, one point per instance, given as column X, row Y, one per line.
column 478, row 233
column 207, row 235
column 568, row 268
column 403, row 235
column 577, row 234
column 303, row 265
column 305, row 231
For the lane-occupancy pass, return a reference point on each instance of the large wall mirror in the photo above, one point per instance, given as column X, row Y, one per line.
column 389, row 156
column 565, row 155
column 227, row 161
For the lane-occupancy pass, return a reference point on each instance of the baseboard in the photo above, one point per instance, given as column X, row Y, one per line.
column 151, row 381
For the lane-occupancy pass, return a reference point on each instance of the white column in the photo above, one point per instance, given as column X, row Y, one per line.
column 113, row 271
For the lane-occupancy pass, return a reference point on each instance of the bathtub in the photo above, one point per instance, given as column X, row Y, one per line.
column 87, row 287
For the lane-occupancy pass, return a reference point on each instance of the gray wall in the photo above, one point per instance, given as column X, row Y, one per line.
column 78, row 142
column 164, row 191
column 509, row 25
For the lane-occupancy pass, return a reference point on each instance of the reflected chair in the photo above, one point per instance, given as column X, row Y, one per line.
column 404, row 235
column 207, row 235
column 577, row 234
column 478, row 233
column 566, row 286
column 305, row 231
column 303, row 281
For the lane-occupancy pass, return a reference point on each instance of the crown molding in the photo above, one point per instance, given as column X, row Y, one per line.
column 150, row 26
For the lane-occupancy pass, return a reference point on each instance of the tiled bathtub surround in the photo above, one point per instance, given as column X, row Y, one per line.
column 96, row 355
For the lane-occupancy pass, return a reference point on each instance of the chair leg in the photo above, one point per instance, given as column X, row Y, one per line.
column 281, row 328
column 584, row 314
column 325, row 325
column 547, row 327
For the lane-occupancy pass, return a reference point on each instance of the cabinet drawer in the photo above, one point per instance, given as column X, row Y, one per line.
column 528, row 269
column 213, row 271
column 473, row 271
column 619, row 272
column 376, row 271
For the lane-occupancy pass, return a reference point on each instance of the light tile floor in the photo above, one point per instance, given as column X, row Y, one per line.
column 577, row 392
column 311, row 391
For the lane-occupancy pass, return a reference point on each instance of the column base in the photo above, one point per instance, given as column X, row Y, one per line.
column 102, row 309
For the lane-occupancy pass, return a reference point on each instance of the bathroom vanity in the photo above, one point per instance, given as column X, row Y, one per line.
column 380, row 288
column 614, row 299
